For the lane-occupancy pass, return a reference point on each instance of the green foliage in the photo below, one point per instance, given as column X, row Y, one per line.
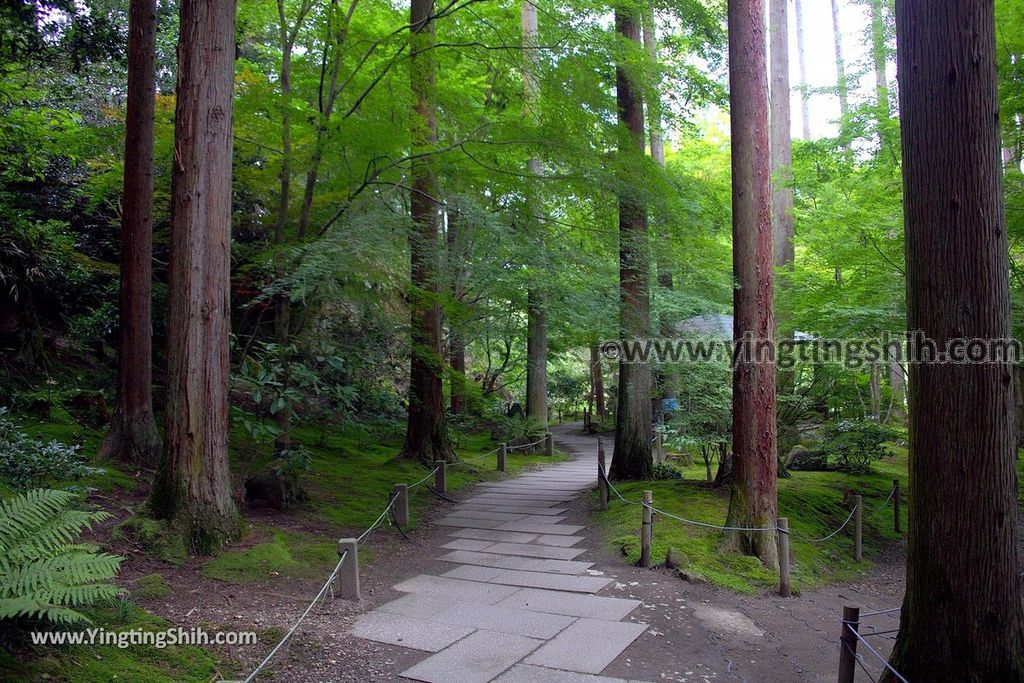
column 664, row 471
column 44, row 574
column 852, row 445
column 26, row 462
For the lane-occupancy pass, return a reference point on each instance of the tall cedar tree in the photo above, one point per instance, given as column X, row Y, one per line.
column 632, row 458
column 133, row 436
column 781, row 144
column 961, row 618
column 193, row 486
column 536, row 314
column 426, row 436
column 801, row 55
column 753, row 500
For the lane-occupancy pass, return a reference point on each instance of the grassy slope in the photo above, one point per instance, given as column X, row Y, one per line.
column 351, row 474
column 811, row 500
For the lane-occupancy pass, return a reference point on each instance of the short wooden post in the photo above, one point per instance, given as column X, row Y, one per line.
column 659, row 448
column 784, row 557
column 858, row 527
column 502, row 452
column 645, row 530
column 549, row 444
column 602, row 473
column 348, row 575
column 848, row 644
column 441, row 476
column 401, row 506
column 896, row 523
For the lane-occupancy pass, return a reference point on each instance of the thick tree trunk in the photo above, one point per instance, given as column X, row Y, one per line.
column 837, row 36
column 193, row 487
column 536, row 358
column 597, row 379
column 133, row 436
column 633, row 459
column 536, row 311
column 426, row 436
column 457, row 360
column 753, row 501
column 456, row 342
column 781, row 145
column 282, row 300
column 805, row 100
column 962, row 617
column 654, row 104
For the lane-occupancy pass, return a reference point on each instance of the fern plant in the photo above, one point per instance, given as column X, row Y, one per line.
column 44, row 573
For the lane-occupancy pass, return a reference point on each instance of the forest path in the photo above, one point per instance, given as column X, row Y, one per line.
column 518, row 604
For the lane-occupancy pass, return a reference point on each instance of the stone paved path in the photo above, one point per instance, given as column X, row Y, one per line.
column 517, row 605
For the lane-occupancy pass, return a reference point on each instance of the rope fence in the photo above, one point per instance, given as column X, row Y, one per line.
column 398, row 509
column 781, row 527
column 851, row 639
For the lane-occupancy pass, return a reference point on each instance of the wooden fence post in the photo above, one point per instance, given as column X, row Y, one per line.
column 645, row 530
column 441, row 476
column 348, row 575
column 502, row 452
column 602, row 473
column 401, row 507
column 848, row 644
column 896, row 523
column 784, row 557
column 549, row 444
column 858, row 527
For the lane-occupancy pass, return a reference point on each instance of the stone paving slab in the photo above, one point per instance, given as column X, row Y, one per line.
column 540, row 519
column 529, row 564
column 518, row 622
column 575, row 605
column 530, row 550
column 492, row 535
column 513, row 500
column 539, row 528
column 587, row 646
column 558, row 541
column 418, row 606
column 417, row 634
column 477, row 658
column 527, row 673
column 470, row 523
column 486, row 514
column 526, row 579
column 469, row 544
column 530, row 494
column 471, row 591
column 526, row 510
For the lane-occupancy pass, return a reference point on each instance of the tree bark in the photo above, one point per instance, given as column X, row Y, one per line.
column 597, row 375
column 654, row 104
column 753, row 500
column 805, row 99
column 837, row 36
column 426, row 436
column 781, row 144
column 962, row 617
column 633, row 459
column 536, row 310
column 193, row 487
column 133, row 436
